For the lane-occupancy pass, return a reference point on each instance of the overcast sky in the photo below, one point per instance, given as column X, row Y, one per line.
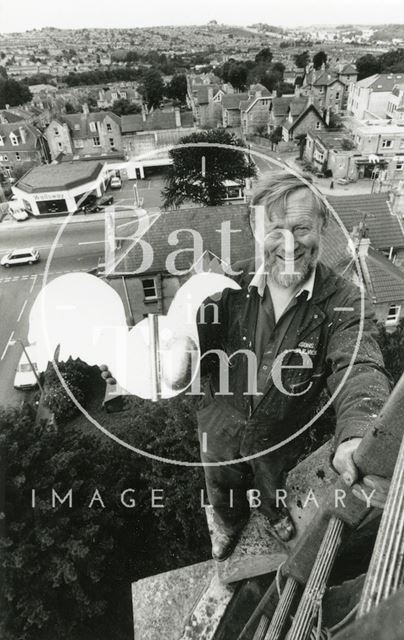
column 21, row 15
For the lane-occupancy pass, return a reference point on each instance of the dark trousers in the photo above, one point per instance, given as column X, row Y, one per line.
column 227, row 484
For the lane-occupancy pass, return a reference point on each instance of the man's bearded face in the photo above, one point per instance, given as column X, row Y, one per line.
column 292, row 239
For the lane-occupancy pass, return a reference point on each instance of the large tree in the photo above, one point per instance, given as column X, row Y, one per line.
column 188, row 181
column 319, row 59
column 264, row 56
column 302, row 59
column 367, row 65
column 238, row 75
column 177, row 88
column 13, row 93
column 65, row 573
column 123, row 107
column 153, row 87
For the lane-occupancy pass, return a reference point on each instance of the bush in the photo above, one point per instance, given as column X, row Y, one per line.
column 76, row 375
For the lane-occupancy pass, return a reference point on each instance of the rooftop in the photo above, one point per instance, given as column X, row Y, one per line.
column 387, row 280
column 155, row 121
column 57, row 177
column 381, row 81
column 384, row 227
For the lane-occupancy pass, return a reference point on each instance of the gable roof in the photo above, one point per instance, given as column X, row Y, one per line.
column 155, row 121
column 384, row 227
column 348, row 69
column 233, row 100
column 82, row 120
column 32, row 135
column 326, row 79
column 202, row 92
column 258, row 87
column 303, row 113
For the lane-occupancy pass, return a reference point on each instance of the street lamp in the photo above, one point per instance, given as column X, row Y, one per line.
column 34, row 371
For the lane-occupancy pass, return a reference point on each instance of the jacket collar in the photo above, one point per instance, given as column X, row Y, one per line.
column 260, row 281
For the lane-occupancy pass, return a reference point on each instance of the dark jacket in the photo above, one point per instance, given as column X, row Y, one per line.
column 327, row 329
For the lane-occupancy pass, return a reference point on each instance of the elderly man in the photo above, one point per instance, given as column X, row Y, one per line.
column 301, row 320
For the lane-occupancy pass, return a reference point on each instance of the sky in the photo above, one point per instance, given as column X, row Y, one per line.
column 23, row 15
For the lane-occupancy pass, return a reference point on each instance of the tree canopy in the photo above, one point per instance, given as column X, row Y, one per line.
column 153, row 88
column 13, row 93
column 302, row 59
column 123, row 107
column 367, row 65
column 177, row 88
column 319, row 59
column 185, row 180
column 265, row 56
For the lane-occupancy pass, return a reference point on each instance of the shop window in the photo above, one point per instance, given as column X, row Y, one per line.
column 149, row 289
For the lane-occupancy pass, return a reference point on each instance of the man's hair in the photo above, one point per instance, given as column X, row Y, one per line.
column 274, row 187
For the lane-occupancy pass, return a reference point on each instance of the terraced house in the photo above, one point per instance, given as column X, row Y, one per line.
column 21, row 145
column 85, row 135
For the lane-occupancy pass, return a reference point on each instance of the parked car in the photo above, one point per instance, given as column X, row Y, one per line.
column 98, row 206
column 20, row 256
column 25, row 377
column 115, row 183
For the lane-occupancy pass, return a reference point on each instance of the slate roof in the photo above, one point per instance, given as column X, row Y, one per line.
column 202, row 92
column 386, row 280
column 233, row 100
column 260, row 88
column 381, row 81
column 83, row 121
column 207, row 220
column 280, row 106
column 57, row 177
column 325, row 79
column 155, row 121
column 384, row 227
column 332, row 139
column 349, row 69
column 32, row 135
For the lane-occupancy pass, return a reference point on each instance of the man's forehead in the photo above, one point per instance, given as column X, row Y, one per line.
column 297, row 204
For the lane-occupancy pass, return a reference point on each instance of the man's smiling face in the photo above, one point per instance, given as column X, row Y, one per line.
column 292, row 239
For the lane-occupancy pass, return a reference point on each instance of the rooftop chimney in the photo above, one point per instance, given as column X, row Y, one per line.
column 23, row 135
column 177, row 117
column 86, row 110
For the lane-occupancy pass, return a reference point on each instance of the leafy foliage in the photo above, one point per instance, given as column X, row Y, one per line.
column 123, row 107
column 185, row 180
column 13, row 93
column 177, row 88
column 302, row 59
column 67, row 571
column 153, row 88
column 319, row 59
column 76, row 376
column 367, row 65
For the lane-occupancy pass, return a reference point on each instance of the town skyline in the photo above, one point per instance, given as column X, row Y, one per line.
column 26, row 16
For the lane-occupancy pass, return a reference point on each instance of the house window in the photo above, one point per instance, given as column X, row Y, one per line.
column 5, row 158
column 337, row 95
column 393, row 314
column 56, row 131
column 401, row 144
column 109, row 128
column 96, row 141
column 17, row 156
column 14, row 139
column 78, row 144
column 318, row 124
column 111, row 142
column 60, row 146
column 400, row 165
column 93, row 127
column 149, row 289
column 77, row 127
column 386, row 144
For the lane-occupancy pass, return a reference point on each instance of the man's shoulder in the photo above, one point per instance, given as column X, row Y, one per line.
column 331, row 285
column 245, row 270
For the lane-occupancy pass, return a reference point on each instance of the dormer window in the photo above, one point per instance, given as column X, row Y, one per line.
column 93, row 127
column 1, row 141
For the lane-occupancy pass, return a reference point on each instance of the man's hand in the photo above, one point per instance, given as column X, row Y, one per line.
column 374, row 488
column 343, row 461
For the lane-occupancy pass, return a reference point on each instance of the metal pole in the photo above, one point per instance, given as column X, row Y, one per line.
column 154, row 356
column 131, row 319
